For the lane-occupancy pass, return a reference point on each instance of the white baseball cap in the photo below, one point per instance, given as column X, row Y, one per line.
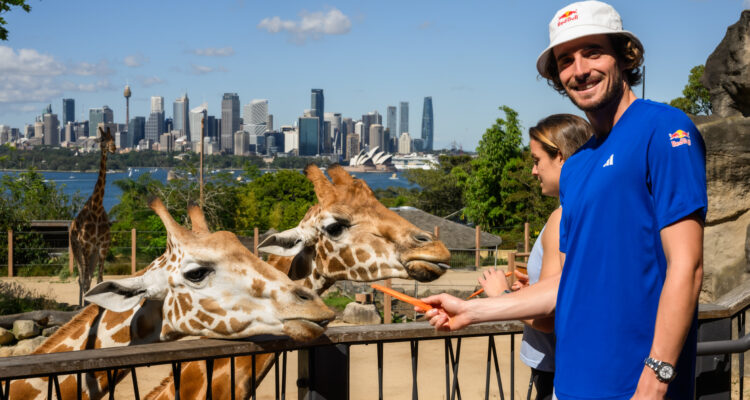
column 581, row 19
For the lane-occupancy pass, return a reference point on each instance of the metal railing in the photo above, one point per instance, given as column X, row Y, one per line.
column 719, row 374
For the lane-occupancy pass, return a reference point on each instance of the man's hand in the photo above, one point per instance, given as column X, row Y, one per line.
column 649, row 387
column 522, row 280
column 448, row 314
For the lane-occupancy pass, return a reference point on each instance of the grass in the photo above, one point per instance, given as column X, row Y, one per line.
column 337, row 300
column 15, row 299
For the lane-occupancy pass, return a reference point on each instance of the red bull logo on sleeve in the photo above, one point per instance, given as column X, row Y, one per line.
column 566, row 17
column 679, row 137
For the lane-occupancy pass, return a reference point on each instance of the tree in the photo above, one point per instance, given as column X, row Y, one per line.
column 276, row 200
column 695, row 97
column 500, row 144
column 522, row 199
column 5, row 6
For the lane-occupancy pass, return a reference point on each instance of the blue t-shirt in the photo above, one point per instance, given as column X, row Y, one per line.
column 617, row 193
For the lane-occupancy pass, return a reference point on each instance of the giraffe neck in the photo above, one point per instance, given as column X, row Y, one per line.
column 94, row 328
column 98, row 196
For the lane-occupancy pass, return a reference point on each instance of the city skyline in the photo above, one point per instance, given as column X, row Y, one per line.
column 470, row 58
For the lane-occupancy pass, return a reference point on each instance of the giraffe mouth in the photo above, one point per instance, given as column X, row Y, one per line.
column 425, row 271
column 302, row 329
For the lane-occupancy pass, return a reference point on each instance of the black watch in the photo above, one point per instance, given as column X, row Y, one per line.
column 664, row 371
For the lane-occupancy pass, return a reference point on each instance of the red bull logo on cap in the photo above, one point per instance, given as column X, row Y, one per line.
column 679, row 137
column 566, row 17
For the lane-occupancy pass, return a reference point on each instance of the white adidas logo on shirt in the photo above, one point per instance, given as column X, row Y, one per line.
column 610, row 161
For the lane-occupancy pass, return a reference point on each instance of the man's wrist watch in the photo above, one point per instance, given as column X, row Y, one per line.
column 664, row 371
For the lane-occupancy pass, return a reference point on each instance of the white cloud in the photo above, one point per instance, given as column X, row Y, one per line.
column 28, row 62
column 27, row 76
column 88, row 69
column 135, row 60
column 214, row 51
column 204, row 69
column 313, row 25
column 148, row 81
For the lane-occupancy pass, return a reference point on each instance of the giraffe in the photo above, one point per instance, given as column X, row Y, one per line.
column 205, row 284
column 348, row 235
column 89, row 232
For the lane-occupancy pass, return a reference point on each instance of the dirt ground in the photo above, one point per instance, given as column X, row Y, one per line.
column 363, row 371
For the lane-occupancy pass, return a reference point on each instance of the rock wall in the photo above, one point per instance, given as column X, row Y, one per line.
column 727, row 74
column 728, row 178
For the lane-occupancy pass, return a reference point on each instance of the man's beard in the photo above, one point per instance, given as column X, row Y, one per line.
column 612, row 96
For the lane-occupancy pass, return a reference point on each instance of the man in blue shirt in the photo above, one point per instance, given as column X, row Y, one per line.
column 634, row 203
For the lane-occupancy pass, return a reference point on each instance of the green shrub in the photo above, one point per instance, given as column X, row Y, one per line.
column 15, row 299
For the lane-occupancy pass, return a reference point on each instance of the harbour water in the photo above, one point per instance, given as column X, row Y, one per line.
column 83, row 182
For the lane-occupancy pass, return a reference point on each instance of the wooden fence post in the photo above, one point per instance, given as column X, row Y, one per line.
column 132, row 251
column 437, row 232
column 255, row 241
column 526, row 237
column 10, row 253
column 512, row 266
column 387, row 317
column 477, row 232
column 70, row 255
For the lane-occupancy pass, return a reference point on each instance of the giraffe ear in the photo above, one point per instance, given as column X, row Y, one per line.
column 123, row 294
column 287, row 244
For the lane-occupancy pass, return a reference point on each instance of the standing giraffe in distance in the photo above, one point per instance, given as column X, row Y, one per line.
column 205, row 284
column 89, row 232
column 348, row 235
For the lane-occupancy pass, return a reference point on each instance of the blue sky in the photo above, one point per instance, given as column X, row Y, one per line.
column 470, row 56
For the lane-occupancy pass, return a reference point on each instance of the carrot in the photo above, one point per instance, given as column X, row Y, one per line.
column 405, row 298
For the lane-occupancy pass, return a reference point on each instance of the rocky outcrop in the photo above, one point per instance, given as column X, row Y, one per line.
column 361, row 314
column 728, row 179
column 727, row 74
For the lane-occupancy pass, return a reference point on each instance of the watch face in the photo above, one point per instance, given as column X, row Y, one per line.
column 666, row 372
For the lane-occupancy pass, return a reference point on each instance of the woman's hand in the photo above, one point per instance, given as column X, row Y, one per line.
column 493, row 282
column 522, row 280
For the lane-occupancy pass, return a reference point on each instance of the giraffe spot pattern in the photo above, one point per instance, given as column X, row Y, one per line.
column 212, row 306
column 335, row 265
column 236, row 325
column 205, row 318
column 185, row 303
column 112, row 319
column 122, row 335
column 257, row 287
column 348, row 257
column 328, row 246
column 362, row 255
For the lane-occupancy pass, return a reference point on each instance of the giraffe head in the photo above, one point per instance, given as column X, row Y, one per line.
column 106, row 141
column 350, row 235
column 211, row 285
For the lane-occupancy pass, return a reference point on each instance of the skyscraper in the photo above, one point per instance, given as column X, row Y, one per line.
column 136, row 130
column 69, row 111
column 309, row 136
column 403, row 125
column 336, row 139
column 97, row 116
column 255, row 117
column 180, row 117
column 230, row 120
column 317, row 105
column 51, row 130
column 368, row 120
column 376, row 136
column 157, row 104
column 428, row 128
column 390, row 117
column 194, row 123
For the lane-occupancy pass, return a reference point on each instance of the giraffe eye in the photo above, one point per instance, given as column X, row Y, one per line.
column 198, row 274
column 334, row 229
